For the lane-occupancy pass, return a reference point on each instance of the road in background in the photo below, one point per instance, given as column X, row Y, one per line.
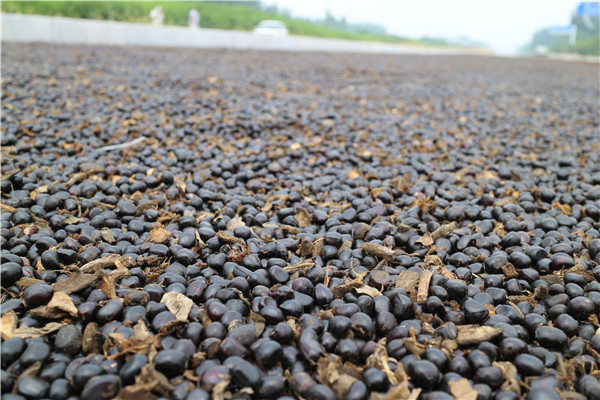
column 42, row 29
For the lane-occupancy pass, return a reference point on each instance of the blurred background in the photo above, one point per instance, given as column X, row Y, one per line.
column 508, row 28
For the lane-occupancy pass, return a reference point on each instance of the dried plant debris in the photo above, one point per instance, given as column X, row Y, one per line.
column 253, row 225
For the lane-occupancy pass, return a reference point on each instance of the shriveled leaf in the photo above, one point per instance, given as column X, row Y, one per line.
column 218, row 392
column 353, row 174
column 318, row 245
column 303, row 217
column 234, row 223
column 443, row 231
column 77, row 282
column 509, row 371
column 25, row 282
column 407, row 280
column 70, row 220
column 290, row 229
column 104, row 262
column 413, row 346
column 499, row 229
column 109, row 282
column 462, row 389
column 8, row 324
column 335, row 375
column 368, row 290
column 306, row 248
column 425, row 240
column 446, row 273
column 145, row 206
column 107, row 235
column 179, row 304
column 340, row 290
column 433, row 260
column 47, row 313
column 159, row 235
column 345, row 246
column 29, row 332
column 38, row 190
column 149, row 385
column 258, row 322
column 378, row 250
column 227, row 238
column 474, row 334
column 302, row 265
column 379, row 359
column 510, row 271
column 62, row 301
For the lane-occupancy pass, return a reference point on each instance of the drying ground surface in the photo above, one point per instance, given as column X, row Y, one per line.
column 213, row 224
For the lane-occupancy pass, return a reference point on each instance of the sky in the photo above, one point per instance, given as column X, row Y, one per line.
column 502, row 25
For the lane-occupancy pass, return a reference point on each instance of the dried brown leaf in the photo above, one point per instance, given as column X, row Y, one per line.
column 63, row 302
column 107, row 235
column 425, row 240
column 159, row 235
column 234, row 223
column 353, row 173
column 509, row 371
column 413, row 346
column 306, row 248
column 303, row 217
column 77, row 282
column 28, row 332
column 499, row 229
column 443, row 231
column 510, row 271
column 179, row 304
column 446, row 273
column 47, row 313
column 218, row 392
column 379, row 359
column 25, row 282
column 333, row 374
column 368, row 290
column 378, row 250
column 407, row 280
column 149, row 385
column 462, row 389
column 302, row 265
column 104, row 262
column 227, row 238
column 474, row 334
column 145, row 206
column 318, row 245
column 340, row 290
column 8, row 324
column 109, row 282
column 70, row 220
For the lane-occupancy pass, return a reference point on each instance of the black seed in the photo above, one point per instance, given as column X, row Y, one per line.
column 68, row 340
column 170, row 362
column 102, row 387
column 32, row 387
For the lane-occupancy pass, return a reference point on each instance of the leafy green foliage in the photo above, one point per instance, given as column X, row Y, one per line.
column 587, row 40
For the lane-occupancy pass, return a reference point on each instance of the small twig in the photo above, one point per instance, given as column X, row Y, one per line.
column 122, row 145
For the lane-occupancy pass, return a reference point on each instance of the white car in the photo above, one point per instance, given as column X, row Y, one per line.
column 271, row 28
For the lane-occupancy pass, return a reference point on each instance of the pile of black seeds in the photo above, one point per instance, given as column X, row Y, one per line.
column 190, row 224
